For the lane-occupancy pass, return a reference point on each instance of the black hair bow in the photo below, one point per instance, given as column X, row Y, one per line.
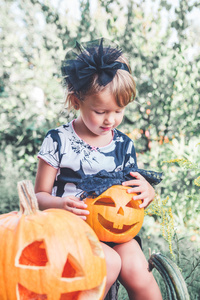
column 94, row 59
column 96, row 184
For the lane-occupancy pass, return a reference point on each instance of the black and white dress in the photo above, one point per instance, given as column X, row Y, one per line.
column 74, row 159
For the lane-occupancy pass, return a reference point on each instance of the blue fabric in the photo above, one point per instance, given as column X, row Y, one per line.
column 95, row 185
column 98, row 60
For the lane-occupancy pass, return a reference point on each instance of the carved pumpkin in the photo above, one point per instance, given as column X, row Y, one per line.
column 114, row 215
column 50, row 255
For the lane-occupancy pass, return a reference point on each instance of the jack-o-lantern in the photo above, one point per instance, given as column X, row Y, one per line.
column 114, row 215
column 50, row 255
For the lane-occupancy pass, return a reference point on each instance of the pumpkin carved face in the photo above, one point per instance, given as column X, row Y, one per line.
column 114, row 215
column 50, row 255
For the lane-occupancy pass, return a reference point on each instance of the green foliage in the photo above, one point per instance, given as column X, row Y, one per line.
column 159, row 209
column 178, row 184
column 167, row 89
column 188, row 165
column 35, row 36
column 188, row 259
column 185, row 255
column 11, row 172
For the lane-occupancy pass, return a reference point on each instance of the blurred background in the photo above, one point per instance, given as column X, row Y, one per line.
column 161, row 39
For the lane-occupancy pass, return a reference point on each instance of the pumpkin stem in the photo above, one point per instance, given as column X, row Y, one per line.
column 27, row 199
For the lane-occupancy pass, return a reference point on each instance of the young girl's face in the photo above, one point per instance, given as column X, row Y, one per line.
column 100, row 113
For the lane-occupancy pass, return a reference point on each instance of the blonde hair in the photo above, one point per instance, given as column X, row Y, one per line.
column 122, row 86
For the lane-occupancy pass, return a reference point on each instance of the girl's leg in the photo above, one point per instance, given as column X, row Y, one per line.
column 135, row 277
column 113, row 266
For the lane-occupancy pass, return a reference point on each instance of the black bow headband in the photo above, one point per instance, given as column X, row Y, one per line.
column 92, row 59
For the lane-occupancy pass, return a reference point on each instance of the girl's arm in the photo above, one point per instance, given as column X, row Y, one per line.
column 45, row 178
column 142, row 187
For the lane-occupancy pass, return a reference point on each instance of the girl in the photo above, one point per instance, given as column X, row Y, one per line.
column 99, row 84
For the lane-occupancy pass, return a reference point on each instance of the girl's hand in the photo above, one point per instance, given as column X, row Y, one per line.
column 142, row 187
column 75, row 205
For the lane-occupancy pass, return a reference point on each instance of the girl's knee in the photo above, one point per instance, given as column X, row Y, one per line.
column 113, row 264
column 134, row 265
column 137, row 279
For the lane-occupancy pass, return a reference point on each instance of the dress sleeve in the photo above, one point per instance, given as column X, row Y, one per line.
column 130, row 162
column 130, row 156
column 50, row 150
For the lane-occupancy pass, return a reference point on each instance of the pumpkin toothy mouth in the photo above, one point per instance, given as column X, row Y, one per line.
column 109, row 225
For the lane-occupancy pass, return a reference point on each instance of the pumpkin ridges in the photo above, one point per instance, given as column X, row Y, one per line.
column 46, row 229
column 3, row 275
column 112, row 222
column 91, row 296
column 6, row 257
column 80, row 225
column 49, row 218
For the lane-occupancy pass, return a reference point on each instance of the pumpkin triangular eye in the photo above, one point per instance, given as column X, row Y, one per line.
column 106, row 201
column 72, row 268
column 26, row 294
column 133, row 204
column 34, row 255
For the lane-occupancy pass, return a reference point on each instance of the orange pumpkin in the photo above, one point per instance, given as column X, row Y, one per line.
column 50, row 255
column 114, row 215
